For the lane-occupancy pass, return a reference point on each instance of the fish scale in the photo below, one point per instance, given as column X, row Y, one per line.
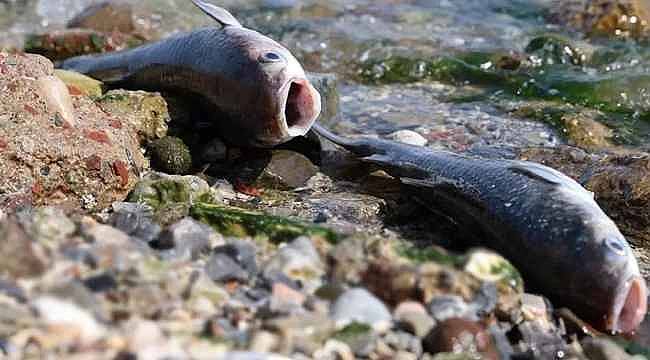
column 544, row 222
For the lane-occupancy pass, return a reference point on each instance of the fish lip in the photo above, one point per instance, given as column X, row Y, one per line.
column 629, row 307
column 288, row 127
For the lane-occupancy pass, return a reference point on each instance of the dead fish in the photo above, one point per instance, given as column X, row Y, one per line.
column 258, row 89
column 544, row 222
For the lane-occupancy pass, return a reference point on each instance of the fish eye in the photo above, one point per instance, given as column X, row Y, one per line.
column 615, row 244
column 271, row 57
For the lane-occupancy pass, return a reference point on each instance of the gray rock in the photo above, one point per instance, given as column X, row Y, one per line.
column 451, row 306
column 603, row 349
column 186, row 240
column 222, row 268
column 21, row 256
column 359, row 305
column 50, row 224
column 242, row 252
column 286, row 170
column 136, row 220
column 298, row 261
column 403, row 341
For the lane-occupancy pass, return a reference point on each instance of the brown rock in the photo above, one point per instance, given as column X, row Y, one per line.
column 21, row 256
column 617, row 18
column 105, row 17
column 63, row 44
column 460, row 335
column 45, row 154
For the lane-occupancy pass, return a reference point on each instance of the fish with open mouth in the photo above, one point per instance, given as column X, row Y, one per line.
column 258, row 89
column 544, row 222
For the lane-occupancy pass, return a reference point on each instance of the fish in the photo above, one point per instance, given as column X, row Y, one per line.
column 545, row 223
column 258, row 92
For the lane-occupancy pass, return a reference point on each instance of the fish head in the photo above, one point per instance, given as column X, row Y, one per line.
column 285, row 102
column 606, row 275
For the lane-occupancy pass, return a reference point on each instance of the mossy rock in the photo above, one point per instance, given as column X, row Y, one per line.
column 231, row 221
column 170, row 155
column 86, row 85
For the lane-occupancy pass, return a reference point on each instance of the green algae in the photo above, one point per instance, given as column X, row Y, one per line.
column 170, row 155
column 231, row 221
column 353, row 332
column 427, row 254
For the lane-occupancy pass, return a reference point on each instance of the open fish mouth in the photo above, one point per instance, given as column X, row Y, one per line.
column 302, row 106
column 629, row 307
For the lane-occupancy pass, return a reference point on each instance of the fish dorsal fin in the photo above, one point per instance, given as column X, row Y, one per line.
column 220, row 14
column 546, row 174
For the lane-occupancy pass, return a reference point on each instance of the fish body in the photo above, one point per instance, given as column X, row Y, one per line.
column 259, row 91
column 544, row 222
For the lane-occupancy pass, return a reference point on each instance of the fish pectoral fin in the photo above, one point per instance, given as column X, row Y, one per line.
column 220, row 14
column 546, row 174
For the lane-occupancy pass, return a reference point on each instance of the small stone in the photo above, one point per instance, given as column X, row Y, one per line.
column 285, row 299
column 408, row 137
column 445, row 307
column 101, row 283
column 62, row 315
column 249, row 355
column 243, row 252
column 413, row 317
column 534, row 308
column 359, row 305
column 170, row 155
column 264, row 342
column 110, row 248
column 50, row 224
column 222, row 268
column 603, row 349
column 58, row 100
column 136, row 220
column 84, row 84
column 460, row 335
column 334, row 349
column 286, row 170
column 22, row 257
column 299, row 261
column 186, row 240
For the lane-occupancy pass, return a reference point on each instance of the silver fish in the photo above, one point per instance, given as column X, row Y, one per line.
column 259, row 91
column 544, row 222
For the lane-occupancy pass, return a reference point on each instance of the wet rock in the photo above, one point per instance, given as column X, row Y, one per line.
column 187, row 240
column 243, row 252
column 326, row 84
column 95, row 162
column 222, row 268
column 22, row 257
column 105, row 17
column 413, row 317
column 146, row 112
column 298, row 261
column 170, row 155
column 136, row 220
column 408, row 137
column 70, row 322
column 604, row 349
column 459, row 335
column 553, row 49
column 80, row 84
column 358, row 305
column 286, row 170
column 63, row 44
column 613, row 18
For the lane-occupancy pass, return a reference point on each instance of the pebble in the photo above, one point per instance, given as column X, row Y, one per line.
column 68, row 319
column 50, row 224
column 22, row 257
column 186, row 240
column 243, row 252
column 222, row 268
column 298, row 260
column 264, row 342
column 604, row 349
column 136, row 220
column 408, row 137
column 413, row 317
column 458, row 335
column 57, row 97
column 249, row 355
column 285, row 299
column 334, row 349
column 359, row 305
column 445, row 307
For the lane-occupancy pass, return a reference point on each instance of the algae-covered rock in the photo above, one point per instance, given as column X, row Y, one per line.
column 171, row 196
column 554, row 49
column 611, row 18
column 170, row 155
column 231, row 221
column 80, row 83
column 146, row 112
column 63, row 44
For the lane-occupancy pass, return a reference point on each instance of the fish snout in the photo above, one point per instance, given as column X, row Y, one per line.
column 302, row 107
column 630, row 306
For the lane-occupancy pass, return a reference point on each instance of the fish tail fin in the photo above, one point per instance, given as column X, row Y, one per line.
column 111, row 67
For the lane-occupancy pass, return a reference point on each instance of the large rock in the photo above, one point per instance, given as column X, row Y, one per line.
column 60, row 149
